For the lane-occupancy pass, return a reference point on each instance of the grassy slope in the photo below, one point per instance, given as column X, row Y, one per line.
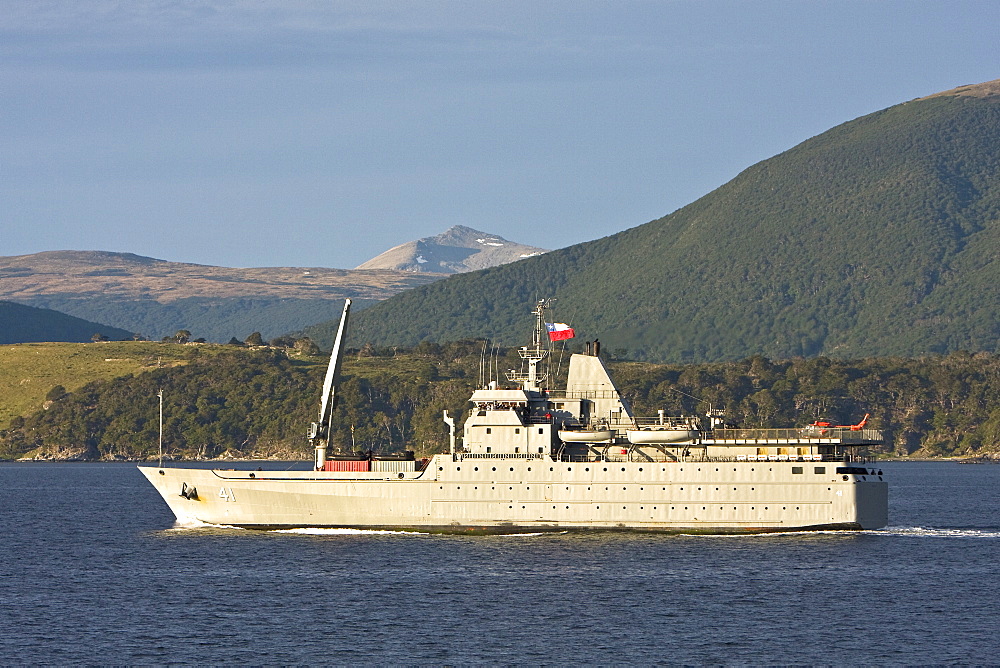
column 29, row 370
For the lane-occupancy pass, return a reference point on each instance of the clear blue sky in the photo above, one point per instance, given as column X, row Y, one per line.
column 290, row 132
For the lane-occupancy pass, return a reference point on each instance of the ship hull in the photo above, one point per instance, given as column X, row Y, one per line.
column 458, row 495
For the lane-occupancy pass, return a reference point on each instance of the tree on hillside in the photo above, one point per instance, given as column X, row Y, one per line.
column 182, row 336
column 306, row 346
column 98, row 337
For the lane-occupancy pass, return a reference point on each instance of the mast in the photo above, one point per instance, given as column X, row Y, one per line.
column 532, row 380
column 319, row 432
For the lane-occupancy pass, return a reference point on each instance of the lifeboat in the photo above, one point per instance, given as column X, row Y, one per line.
column 585, row 435
column 654, row 436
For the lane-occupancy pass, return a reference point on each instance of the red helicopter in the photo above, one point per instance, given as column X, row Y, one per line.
column 829, row 425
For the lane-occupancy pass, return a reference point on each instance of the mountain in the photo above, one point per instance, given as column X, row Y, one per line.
column 157, row 297
column 878, row 237
column 455, row 251
column 24, row 324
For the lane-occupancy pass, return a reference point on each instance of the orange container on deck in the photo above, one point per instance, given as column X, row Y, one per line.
column 354, row 465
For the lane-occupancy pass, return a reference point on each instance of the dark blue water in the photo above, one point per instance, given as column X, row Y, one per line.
column 91, row 571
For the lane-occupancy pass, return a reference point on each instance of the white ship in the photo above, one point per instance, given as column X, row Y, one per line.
column 531, row 459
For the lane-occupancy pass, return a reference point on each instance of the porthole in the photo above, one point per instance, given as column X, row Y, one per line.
column 476, row 469
column 458, row 468
column 529, row 468
column 587, row 469
column 605, row 468
column 511, row 468
column 494, row 468
column 623, row 469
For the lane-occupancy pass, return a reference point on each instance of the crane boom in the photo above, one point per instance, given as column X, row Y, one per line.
column 319, row 432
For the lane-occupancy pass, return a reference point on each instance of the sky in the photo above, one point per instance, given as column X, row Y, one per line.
column 319, row 134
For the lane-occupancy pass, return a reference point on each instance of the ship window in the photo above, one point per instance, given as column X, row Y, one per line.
column 516, row 450
column 488, row 450
column 796, row 469
column 541, row 431
column 517, row 431
column 541, row 450
column 819, row 469
column 489, row 431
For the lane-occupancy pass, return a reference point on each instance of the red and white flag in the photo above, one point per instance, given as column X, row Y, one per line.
column 559, row 331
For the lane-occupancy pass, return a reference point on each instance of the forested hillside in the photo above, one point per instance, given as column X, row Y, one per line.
column 21, row 324
column 879, row 237
column 244, row 402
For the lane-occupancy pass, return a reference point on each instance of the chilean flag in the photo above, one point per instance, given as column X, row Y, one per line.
column 559, row 331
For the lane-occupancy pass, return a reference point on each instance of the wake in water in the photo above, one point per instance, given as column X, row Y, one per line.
column 192, row 524
column 318, row 531
column 932, row 532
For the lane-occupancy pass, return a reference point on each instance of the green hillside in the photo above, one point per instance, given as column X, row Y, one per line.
column 878, row 237
column 30, row 371
column 244, row 402
column 21, row 324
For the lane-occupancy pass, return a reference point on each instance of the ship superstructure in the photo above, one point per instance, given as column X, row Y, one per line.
column 533, row 459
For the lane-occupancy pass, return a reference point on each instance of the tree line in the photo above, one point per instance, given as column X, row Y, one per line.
column 257, row 402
